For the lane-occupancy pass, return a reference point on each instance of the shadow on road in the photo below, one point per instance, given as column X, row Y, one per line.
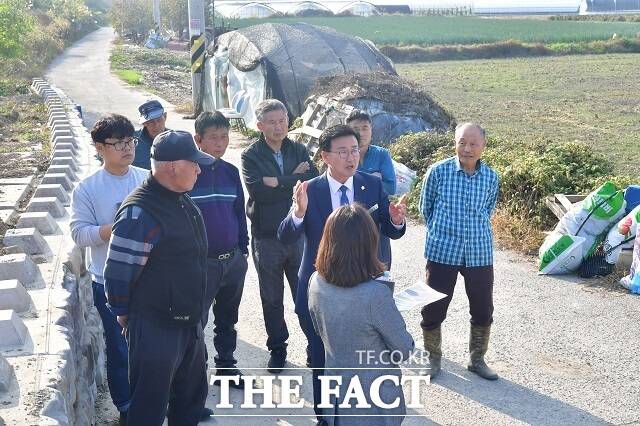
column 512, row 399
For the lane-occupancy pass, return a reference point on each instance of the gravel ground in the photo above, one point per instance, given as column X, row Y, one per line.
column 565, row 348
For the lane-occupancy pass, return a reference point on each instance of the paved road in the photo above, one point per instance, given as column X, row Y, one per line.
column 566, row 349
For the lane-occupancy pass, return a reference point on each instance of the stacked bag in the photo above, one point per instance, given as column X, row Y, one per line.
column 621, row 236
column 581, row 230
column 629, row 224
column 632, row 281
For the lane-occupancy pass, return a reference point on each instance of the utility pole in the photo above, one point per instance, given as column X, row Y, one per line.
column 156, row 15
column 213, row 19
column 198, row 45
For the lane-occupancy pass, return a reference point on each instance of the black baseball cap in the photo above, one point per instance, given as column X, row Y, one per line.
column 173, row 145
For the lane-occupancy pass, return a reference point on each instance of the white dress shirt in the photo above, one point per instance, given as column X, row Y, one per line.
column 336, row 194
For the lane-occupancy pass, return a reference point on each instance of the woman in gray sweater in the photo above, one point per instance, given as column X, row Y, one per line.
column 353, row 311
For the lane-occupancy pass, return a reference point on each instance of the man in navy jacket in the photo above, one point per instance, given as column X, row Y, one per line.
column 313, row 203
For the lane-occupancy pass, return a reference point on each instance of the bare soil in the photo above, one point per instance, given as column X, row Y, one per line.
column 24, row 138
column 106, row 413
column 165, row 72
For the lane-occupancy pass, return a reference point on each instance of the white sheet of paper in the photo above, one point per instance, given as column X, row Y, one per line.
column 418, row 294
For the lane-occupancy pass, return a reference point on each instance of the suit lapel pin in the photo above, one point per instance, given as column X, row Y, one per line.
column 362, row 188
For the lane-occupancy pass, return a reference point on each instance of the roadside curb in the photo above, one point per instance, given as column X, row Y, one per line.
column 54, row 352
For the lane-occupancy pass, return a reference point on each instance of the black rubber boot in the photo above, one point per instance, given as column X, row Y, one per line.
column 433, row 345
column 478, row 345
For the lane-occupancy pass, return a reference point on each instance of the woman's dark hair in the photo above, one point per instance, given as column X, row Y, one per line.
column 358, row 115
column 210, row 119
column 111, row 126
column 333, row 132
column 348, row 252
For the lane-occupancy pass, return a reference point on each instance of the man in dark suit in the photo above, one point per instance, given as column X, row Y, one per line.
column 313, row 202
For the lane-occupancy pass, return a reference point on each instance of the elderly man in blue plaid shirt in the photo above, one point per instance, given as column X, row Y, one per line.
column 458, row 197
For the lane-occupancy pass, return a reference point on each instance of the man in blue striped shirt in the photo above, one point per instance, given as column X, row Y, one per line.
column 218, row 194
column 459, row 195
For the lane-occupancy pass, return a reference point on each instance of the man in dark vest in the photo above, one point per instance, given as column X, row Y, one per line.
column 155, row 280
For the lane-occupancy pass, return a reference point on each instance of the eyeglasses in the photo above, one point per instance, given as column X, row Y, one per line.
column 123, row 144
column 344, row 153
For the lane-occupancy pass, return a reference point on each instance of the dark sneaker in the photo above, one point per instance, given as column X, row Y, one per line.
column 206, row 413
column 276, row 362
column 122, row 421
column 230, row 372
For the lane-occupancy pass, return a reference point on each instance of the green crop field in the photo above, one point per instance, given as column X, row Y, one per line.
column 593, row 99
column 436, row 30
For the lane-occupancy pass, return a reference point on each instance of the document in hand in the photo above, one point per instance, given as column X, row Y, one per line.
column 418, row 294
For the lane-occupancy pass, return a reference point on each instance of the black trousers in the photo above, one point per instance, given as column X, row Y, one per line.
column 478, row 283
column 167, row 373
column 274, row 260
column 225, row 282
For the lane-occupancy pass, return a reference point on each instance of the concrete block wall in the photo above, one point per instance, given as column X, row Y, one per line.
column 51, row 342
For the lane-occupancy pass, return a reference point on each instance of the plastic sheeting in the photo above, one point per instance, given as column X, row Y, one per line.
column 289, row 57
column 228, row 87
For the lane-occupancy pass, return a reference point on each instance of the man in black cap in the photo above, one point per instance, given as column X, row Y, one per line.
column 153, row 118
column 155, row 280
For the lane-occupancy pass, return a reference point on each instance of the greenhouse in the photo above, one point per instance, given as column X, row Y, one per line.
column 243, row 10
column 281, row 61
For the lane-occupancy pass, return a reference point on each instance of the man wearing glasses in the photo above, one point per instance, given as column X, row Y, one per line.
column 94, row 203
column 313, row 202
column 153, row 118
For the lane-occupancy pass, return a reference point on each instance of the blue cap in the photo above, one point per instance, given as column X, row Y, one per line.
column 150, row 110
column 173, row 145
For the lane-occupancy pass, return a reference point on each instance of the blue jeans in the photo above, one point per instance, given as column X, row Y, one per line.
column 117, row 351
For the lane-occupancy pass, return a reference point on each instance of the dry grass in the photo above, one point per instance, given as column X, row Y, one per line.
column 185, row 108
column 517, row 234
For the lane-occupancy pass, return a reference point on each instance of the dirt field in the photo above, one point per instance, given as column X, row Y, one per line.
column 24, row 137
column 593, row 99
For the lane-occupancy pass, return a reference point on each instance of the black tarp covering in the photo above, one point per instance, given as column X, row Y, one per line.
column 293, row 56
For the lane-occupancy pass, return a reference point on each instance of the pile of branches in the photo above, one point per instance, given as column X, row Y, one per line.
column 397, row 95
